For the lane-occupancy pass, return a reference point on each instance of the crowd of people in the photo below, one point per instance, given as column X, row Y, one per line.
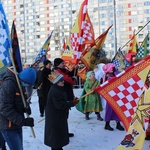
column 54, row 85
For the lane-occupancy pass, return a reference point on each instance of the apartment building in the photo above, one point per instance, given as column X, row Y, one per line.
column 35, row 20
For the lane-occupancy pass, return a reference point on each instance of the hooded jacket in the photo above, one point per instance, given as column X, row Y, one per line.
column 11, row 105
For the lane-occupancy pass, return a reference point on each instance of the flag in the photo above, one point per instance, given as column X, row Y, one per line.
column 135, row 136
column 5, row 60
column 41, row 57
column 120, row 61
column 133, row 44
column 144, row 48
column 82, row 32
column 16, row 49
column 92, row 53
column 64, row 46
column 123, row 91
column 82, row 73
column 133, row 47
column 67, row 56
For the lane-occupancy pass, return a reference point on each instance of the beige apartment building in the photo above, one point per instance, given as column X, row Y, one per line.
column 35, row 19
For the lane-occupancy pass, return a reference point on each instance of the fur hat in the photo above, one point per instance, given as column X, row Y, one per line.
column 57, row 61
column 108, row 68
column 46, row 62
column 28, row 75
column 55, row 77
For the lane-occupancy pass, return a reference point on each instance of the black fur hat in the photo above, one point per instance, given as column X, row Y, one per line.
column 57, row 61
column 46, row 62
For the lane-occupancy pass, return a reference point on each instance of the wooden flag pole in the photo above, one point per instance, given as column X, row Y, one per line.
column 34, row 92
column 21, row 92
column 91, row 91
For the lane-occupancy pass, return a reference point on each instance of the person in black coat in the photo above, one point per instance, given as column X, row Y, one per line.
column 56, row 125
column 12, row 108
column 2, row 141
column 46, row 83
column 38, row 85
column 69, row 80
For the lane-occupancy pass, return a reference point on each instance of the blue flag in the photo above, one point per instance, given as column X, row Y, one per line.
column 16, row 49
column 41, row 57
column 120, row 61
column 5, row 45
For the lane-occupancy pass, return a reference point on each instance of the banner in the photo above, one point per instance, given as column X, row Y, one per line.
column 123, row 91
column 41, row 57
column 120, row 61
column 92, row 53
column 16, row 49
column 135, row 136
column 82, row 32
column 144, row 48
column 5, row 60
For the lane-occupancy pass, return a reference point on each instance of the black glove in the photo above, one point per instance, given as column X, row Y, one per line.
column 29, row 122
column 27, row 110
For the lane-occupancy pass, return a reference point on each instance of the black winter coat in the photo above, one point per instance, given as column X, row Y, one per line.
column 38, row 82
column 56, row 126
column 11, row 105
column 46, row 83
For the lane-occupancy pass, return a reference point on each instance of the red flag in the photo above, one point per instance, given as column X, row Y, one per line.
column 123, row 91
column 82, row 32
column 64, row 46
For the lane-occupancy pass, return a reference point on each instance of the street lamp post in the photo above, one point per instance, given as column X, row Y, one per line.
column 24, row 30
column 115, row 26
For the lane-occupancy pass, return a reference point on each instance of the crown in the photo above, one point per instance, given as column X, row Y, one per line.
column 55, row 76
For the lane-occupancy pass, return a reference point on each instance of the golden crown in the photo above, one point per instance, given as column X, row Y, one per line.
column 53, row 75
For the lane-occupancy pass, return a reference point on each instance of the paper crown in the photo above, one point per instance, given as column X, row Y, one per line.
column 55, row 77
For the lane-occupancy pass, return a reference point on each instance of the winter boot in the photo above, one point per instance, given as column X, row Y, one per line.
column 119, row 127
column 99, row 117
column 87, row 116
column 108, row 127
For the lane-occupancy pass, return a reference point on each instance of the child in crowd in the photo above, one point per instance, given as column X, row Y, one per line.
column 110, row 71
column 91, row 102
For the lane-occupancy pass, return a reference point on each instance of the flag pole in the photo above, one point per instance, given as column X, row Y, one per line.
column 20, row 89
column 136, row 34
column 91, row 91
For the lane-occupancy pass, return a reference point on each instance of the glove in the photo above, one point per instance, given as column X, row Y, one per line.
column 27, row 110
column 29, row 122
column 75, row 101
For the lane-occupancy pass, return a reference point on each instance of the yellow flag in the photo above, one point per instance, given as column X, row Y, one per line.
column 133, row 44
column 135, row 136
column 89, row 55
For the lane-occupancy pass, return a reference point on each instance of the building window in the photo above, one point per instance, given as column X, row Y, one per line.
column 147, row 11
column 38, row 36
column 140, row 35
column 147, row 3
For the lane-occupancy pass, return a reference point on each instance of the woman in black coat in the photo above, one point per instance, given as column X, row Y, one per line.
column 56, row 125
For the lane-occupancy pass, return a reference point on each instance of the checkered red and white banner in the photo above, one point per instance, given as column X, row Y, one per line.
column 123, row 91
column 82, row 32
column 127, row 95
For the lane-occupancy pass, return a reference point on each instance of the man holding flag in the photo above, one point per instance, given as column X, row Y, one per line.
column 69, row 80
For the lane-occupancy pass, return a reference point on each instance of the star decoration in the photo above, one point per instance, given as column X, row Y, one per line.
column 142, row 111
